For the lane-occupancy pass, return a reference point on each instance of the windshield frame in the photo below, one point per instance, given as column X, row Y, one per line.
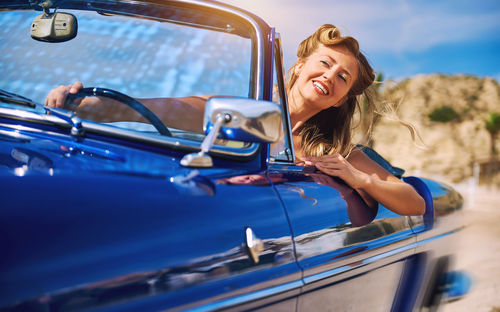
column 244, row 25
column 184, row 12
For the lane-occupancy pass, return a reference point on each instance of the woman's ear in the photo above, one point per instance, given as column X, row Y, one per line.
column 298, row 66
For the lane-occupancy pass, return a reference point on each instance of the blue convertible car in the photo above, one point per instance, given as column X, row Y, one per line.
column 136, row 216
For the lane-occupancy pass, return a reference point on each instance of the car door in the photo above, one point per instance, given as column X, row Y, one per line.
column 352, row 257
column 171, row 243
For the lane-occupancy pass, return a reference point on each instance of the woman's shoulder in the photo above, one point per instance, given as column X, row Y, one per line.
column 356, row 155
column 368, row 159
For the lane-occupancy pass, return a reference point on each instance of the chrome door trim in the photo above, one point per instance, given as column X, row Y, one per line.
column 330, row 273
column 234, row 301
column 348, row 267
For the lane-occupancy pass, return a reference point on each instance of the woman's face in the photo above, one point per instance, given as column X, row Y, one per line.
column 326, row 76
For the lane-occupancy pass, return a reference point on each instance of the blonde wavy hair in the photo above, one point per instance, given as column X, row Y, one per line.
column 330, row 131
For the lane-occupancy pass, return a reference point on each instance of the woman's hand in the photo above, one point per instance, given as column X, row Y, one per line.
column 57, row 96
column 371, row 181
column 337, row 166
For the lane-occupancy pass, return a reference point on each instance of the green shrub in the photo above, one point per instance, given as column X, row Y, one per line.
column 493, row 123
column 444, row 114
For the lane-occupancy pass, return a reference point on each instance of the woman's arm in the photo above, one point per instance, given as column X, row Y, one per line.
column 371, row 181
column 184, row 113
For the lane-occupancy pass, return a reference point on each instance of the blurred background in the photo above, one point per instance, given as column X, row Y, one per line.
column 400, row 38
column 439, row 63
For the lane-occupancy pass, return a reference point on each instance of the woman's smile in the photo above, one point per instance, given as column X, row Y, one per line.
column 320, row 87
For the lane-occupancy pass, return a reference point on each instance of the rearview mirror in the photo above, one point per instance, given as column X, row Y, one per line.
column 54, row 27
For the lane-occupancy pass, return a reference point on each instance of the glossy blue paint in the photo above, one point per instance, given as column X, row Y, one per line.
column 162, row 228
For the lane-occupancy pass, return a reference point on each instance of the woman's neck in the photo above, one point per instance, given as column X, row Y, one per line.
column 300, row 111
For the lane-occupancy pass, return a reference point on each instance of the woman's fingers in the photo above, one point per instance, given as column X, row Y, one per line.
column 333, row 157
column 57, row 96
column 333, row 165
column 60, row 96
column 49, row 100
column 327, row 161
column 333, row 171
column 337, row 166
column 77, row 86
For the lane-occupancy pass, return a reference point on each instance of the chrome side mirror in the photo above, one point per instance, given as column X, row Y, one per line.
column 238, row 119
column 250, row 120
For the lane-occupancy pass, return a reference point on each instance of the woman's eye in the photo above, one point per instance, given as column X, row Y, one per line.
column 343, row 77
column 325, row 63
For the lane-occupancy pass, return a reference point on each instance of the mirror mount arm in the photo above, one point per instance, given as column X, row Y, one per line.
column 202, row 159
column 46, row 5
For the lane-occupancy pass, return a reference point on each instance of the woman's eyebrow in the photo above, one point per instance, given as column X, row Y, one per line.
column 335, row 61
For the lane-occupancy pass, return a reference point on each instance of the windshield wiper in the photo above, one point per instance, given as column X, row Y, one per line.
column 13, row 98
column 68, row 116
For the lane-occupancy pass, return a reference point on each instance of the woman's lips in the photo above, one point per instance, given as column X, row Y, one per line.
column 320, row 87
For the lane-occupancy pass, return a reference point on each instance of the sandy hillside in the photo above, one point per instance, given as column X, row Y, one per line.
column 453, row 146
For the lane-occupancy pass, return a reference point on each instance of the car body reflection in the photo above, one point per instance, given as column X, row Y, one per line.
column 359, row 213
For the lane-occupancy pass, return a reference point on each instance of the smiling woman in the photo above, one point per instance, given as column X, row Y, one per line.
column 323, row 88
column 334, row 69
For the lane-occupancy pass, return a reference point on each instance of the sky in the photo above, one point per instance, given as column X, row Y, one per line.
column 400, row 38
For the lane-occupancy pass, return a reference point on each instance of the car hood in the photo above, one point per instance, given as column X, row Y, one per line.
column 50, row 154
column 70, row 200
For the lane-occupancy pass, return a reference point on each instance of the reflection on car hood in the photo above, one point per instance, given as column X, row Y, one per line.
column 41, row 153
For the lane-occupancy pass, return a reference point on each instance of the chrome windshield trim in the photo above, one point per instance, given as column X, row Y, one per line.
column 231, row 302
column 278, row 60
column 146, row 138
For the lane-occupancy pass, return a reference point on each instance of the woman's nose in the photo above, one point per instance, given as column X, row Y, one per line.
column 329, row 75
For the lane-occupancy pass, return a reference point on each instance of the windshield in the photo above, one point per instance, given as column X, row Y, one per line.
column 134, row 56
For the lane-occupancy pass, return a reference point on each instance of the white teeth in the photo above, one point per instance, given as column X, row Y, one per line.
column 319, row 86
